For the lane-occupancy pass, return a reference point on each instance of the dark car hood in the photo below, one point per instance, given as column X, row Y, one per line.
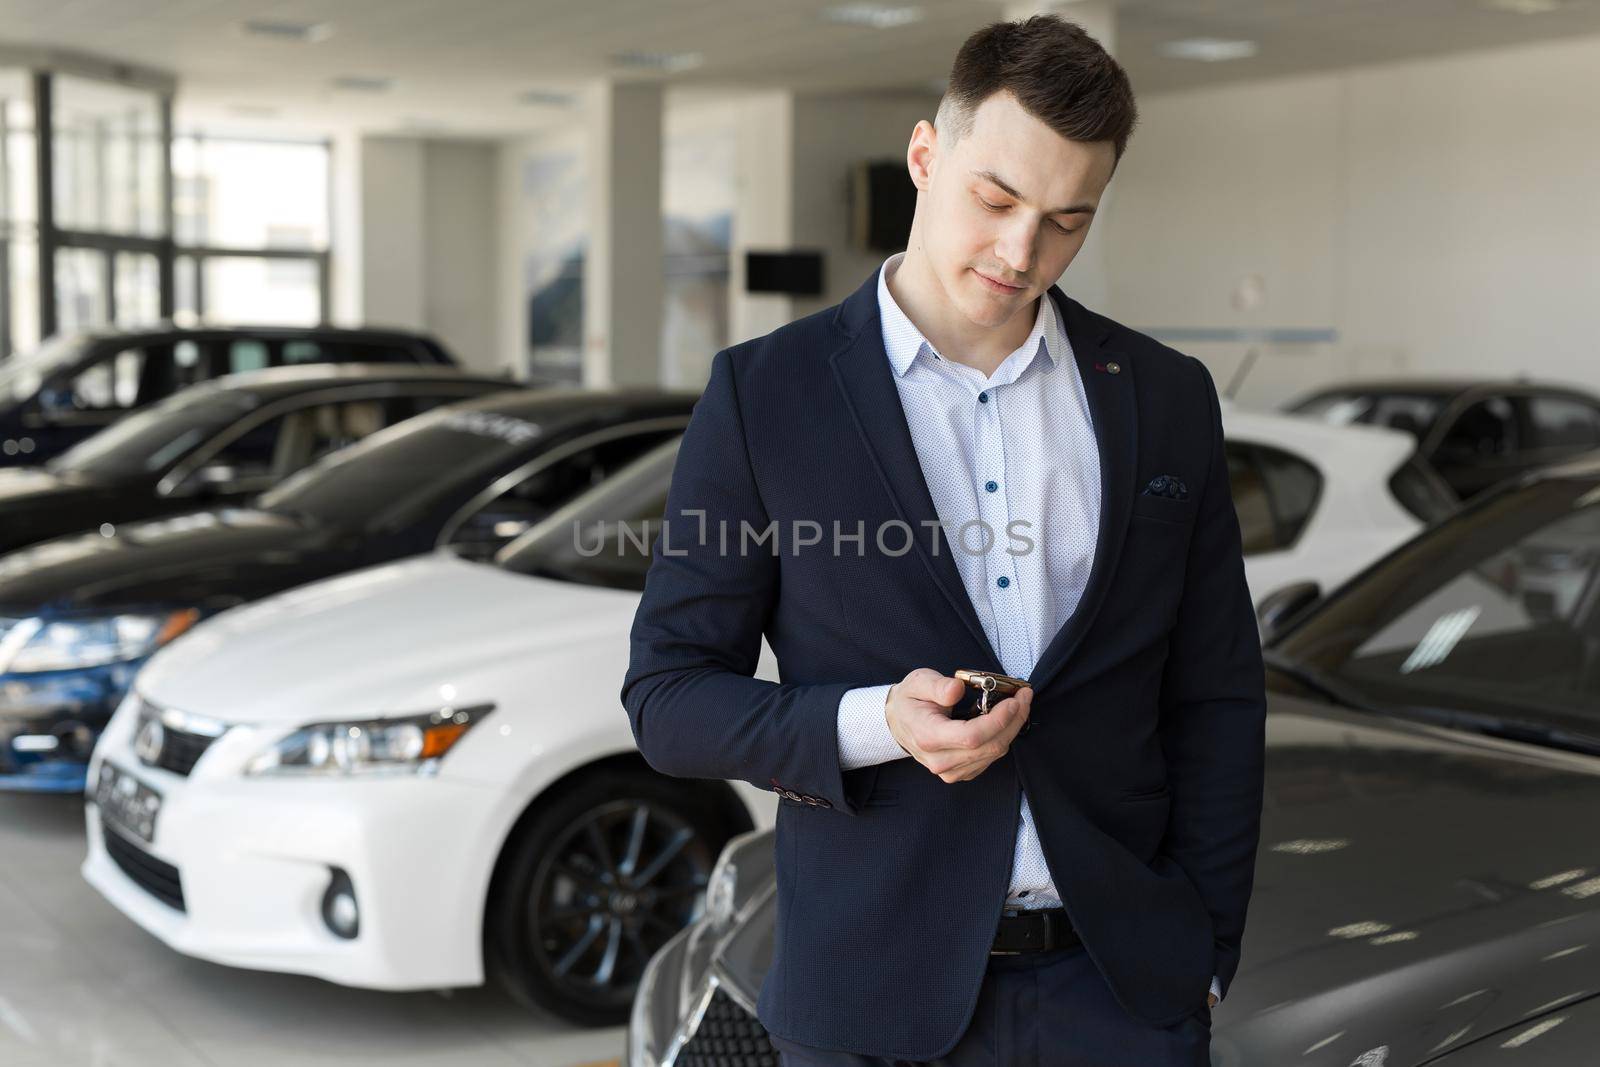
column 207, row 559
column 1416, row 889
column 36, row 503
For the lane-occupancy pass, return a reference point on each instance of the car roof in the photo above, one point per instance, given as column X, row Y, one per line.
column 1443, row 386
column 272, row 382
column 551, row 403
column 168, row 329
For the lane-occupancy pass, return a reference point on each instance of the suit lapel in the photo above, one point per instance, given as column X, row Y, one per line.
column 861, row 369
column 1115, row 416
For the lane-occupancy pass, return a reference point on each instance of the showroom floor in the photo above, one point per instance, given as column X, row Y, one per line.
column 79, row 984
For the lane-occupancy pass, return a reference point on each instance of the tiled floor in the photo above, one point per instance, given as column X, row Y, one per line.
column 79, row 984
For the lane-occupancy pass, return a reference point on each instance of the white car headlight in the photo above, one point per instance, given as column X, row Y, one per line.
column 409, row 744
column 36, row 645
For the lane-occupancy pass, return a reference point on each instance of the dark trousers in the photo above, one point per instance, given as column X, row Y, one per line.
column 1045, row 1009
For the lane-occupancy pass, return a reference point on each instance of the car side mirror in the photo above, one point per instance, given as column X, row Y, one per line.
column 1281, row 605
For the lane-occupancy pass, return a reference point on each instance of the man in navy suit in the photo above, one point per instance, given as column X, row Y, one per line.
column 959, row 466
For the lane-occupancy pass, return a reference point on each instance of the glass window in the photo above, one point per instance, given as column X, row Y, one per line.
column 1495, row 612
column 247, row 354
column 280, row 446
column 108, row 158
column 432, row 456
column 1415, row 413
column 1251, row 502
column 138, row 289
column 603, row 537
column 157, row 437
column 80, row 289
column 1562, row 423
column 536, row 495
column 1486, row 430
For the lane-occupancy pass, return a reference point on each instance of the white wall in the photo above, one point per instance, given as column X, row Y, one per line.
column 1440, row 215
column 831, row 134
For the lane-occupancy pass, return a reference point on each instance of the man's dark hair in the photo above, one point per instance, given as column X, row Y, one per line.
column 1057, row 72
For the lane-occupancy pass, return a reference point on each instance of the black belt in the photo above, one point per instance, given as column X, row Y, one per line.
column 1035, row 930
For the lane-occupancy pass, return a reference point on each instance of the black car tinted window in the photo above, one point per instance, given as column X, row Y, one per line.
column 1495, row 611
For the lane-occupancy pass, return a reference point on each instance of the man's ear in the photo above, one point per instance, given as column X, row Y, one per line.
column 922, row 154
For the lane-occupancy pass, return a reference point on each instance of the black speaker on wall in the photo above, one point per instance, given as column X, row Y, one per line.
column 794, row 273
column 883, row 201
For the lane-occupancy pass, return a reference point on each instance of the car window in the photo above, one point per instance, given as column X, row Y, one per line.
column 1495, row 611
column 605, row 536
column 533, row 497
column 1251, row 501
column 120, row 381
column 1486, row 430
column 1563, row 424
column 247, row 354
column 1414, row 413
column 277, row 447
column 1293, row 488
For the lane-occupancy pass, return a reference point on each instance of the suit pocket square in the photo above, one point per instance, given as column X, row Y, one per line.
column 1168, row 485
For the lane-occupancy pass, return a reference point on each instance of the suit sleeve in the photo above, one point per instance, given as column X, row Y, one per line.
column 1213, row 711
column 695, row 708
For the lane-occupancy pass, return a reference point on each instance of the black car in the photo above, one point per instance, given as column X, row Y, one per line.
column 221, row 441
column 1426, row 890
column 77, row 384
column 472, row 476
column 1474, row 433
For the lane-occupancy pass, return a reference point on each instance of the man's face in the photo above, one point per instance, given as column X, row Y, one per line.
column 990, row 209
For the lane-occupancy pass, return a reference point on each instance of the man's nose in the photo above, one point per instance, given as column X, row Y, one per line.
column 1015, row 249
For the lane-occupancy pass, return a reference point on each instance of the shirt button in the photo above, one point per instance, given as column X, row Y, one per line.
column 991, row 486
column 1002, row 581
column 983, row 398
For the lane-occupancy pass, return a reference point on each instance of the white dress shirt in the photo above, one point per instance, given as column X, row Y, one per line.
column 1018, row 447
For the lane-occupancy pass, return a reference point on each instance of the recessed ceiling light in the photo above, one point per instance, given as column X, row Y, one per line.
column 545, row 97
column 668, row 61
column 878, row 16
column 357, row 83
column 1524, row 7
column 306, row 32
column 1209, row 49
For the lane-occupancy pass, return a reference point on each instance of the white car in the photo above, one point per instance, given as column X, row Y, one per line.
column 417, row 774
column 1317, row 503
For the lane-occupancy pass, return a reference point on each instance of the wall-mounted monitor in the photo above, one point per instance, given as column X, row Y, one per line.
column 794, row 273
column 883, row 201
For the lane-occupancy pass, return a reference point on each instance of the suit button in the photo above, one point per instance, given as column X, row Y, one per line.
column 824, row 802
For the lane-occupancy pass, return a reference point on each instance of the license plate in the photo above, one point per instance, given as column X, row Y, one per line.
column 127, row 803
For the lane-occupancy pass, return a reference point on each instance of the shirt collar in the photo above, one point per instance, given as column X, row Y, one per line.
column 904, row 342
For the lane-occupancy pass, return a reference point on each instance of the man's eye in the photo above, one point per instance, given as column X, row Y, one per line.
column 1001, row 207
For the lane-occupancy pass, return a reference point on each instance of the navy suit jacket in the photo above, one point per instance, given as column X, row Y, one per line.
column 1143, row 757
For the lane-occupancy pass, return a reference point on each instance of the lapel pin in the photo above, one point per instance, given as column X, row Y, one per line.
column 1114, row 368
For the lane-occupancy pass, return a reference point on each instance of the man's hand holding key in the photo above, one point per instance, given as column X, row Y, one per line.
column 918, row 712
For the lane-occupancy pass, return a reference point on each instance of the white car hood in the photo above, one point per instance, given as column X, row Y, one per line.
column 356, row 645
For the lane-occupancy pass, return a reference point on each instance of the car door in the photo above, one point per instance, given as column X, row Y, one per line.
column 1479, row 446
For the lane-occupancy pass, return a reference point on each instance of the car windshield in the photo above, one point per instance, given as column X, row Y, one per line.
column 413, row 460
column 150, row 441
column 604, row 536
column 1492, row 617
column 23, row 373
column 1414, row 412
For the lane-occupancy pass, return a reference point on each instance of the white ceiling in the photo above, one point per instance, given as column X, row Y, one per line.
column 459, row 66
